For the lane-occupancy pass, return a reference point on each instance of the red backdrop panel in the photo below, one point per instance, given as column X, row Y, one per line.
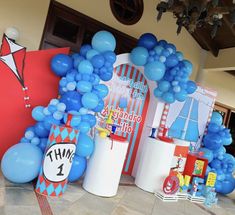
column 43, row 86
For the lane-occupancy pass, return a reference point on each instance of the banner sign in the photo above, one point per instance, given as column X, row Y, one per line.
column 128, row 84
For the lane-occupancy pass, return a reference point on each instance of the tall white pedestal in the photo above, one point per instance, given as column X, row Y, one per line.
column 104, row 168
column 154, row 165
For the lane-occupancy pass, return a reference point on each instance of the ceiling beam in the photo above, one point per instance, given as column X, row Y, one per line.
column 229, row 24
column 205, row 38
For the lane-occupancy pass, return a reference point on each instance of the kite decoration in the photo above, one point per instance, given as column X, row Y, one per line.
column 13, row 56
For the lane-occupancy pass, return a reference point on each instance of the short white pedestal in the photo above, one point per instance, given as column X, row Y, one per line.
column 155, row 164
column 104, row 168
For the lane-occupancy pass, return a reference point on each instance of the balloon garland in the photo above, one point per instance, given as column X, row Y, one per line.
column 220, row 162
column 81, row 95
column 165, row 65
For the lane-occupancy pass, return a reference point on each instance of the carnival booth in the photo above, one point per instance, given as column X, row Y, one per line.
column 98, row 115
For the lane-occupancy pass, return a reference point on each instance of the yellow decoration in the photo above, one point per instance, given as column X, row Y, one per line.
column 211, row 179
column 187, row 179
column 181, row 179
column 103, row 132
column 110, row 120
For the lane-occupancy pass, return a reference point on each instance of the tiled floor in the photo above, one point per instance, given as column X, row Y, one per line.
column 130, row 200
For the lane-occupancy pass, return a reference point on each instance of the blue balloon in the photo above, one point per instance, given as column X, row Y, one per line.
column 78, row 168
column 84, row 86
column 103, row 41
column 38, row 114
column 91, row 119
column 106, row 76
column 191, row 87
column 110, row 57
column 139, row 56
column 181, row 96
column 41, row 130
column 215, row 164
column 77, row 60
column 98, row 61
column 171, row 61
column 188, row 66
column 180, row 56
column 154, row 71
column 171, row 48
column 61, row 64
column 84, row 49
column 214, row 128
column 99, row 107
column 85, row 67
column 90, row 100
column 212, row 141
column 216, row 118
column 162, row 43
column 227, row 186
column 84, row 127
column 49, row 121
column 164, row 86
column 21, row 163
column 91, row 53
column 95, row 79
column 85, row 145
column 168, row 97
column 157, row 93
column 72, row 100
column 147, row 41
column 102, row 90
column 43, row 144
column 207, row 153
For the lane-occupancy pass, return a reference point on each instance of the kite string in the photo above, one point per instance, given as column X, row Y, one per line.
column 26, row 97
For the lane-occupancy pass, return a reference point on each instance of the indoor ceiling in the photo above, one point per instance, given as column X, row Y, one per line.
column 225, row 37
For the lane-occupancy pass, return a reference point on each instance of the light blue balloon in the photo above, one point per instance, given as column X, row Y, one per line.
column 99, row 107
column 85, row 67
column 85, row 146
column 90, row 100
column 139, row 56
column 71, row 86
column 216, row 118
column 38, row 114
column 154, row 71
column 157, row 93
column 35, row 141
column 61, row 107
column 191, row 87
column 103, row 41
column 84, row 86
column 58, row 115
column 102, row 89
column 29, row 134
column 84, row 127
column 78, row 168
column 21, row 163
column 207, row 153
column 168, row 97
column 164, row 86
column 181, row 96
column 91, row 53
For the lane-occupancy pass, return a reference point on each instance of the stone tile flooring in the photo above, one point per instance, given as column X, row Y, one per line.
column 21, row 200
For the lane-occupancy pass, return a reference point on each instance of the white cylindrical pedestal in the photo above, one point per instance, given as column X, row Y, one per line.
column 104, row 168
column 155, row 164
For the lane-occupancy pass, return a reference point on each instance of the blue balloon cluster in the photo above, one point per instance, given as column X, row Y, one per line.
column 165, row 65
column 81, row 93
column 220, row 162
